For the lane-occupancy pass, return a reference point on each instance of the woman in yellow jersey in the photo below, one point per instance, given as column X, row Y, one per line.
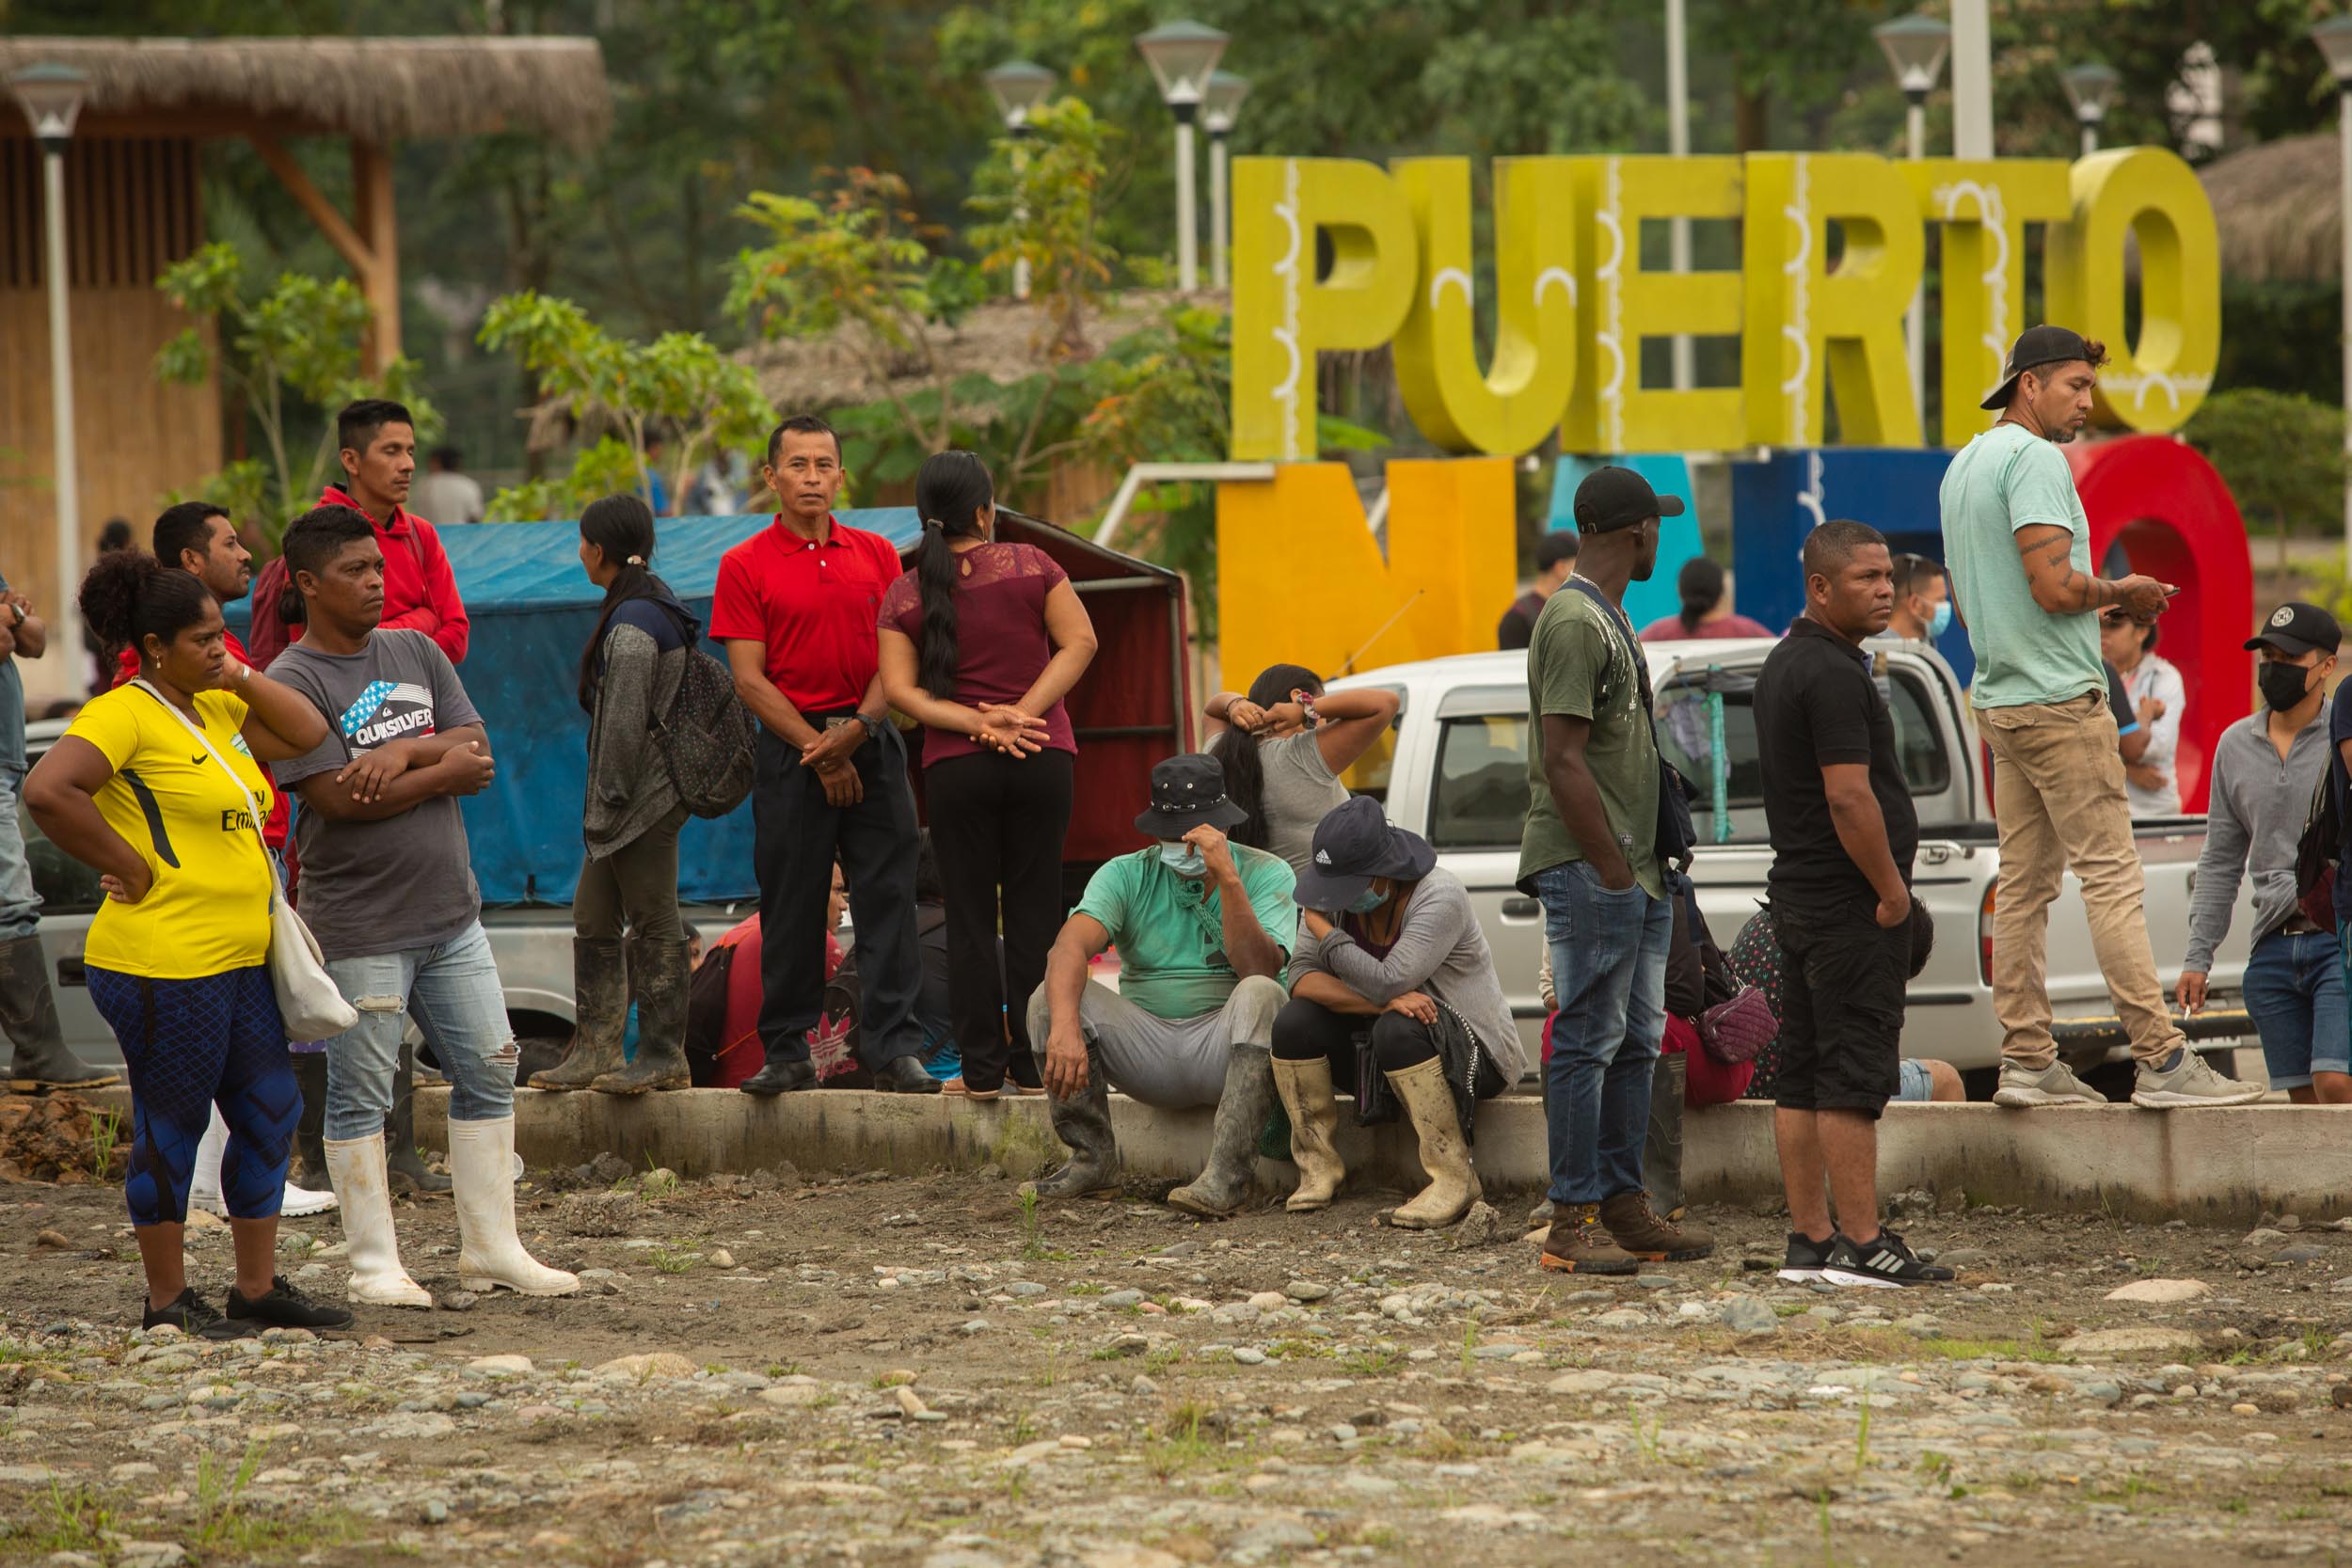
column 154, row 787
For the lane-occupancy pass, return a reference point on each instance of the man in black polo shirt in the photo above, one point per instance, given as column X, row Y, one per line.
column 1843, row 836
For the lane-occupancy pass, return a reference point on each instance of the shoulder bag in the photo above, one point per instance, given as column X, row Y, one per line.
column 1675, row 834
column 308, row 1001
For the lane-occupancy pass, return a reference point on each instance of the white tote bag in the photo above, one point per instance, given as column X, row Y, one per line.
column 308, row 1000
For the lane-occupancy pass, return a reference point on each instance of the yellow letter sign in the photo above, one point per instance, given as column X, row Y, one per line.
column 2157, row 383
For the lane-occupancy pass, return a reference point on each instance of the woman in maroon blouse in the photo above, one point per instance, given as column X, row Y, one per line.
column 980, row 643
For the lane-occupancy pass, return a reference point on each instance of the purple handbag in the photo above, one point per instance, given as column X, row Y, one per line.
column 1734, row 1031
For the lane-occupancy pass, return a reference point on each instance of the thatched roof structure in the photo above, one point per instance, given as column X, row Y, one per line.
column 2280, row 217
column 375, row 89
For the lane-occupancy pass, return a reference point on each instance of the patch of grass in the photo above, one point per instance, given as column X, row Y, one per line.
column 1377, row 1362
column 105, row 1137
column 2317, row 1340
column 666, row 1260
column 1086, row 1288
column 1469, row 1344
column 1032, row 1240
column 1175, row 1442
column 2234, row 1505
column 1645, row 1434
column 227, row 1530
column 1163, row 1358
column 1862, row 1437
column 74, row 1519
column 784, row 1368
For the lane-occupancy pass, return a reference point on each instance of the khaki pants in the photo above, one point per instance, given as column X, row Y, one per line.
column 2058, row 789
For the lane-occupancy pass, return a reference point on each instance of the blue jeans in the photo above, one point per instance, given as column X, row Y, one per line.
column 2295, row 989
column 1609, row 969
column 19, row 906
column 451, row 990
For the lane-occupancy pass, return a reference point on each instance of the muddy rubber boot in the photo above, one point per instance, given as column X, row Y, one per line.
column 1223, row 1185
column 310, row 1069
column 1661, row 1157
column 659, row 974
column 600, row 979
column 28, row 1014
column 1306, row 1090
column 1452, row 1181
column 1083, row 1122
column 407, row 1170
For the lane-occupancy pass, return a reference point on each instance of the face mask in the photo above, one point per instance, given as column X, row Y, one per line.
column 1367, row 901
column 1942, row 621
column 2283, row 685
column 1184, row 859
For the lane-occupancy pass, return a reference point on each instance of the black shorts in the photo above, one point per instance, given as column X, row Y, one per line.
column 1841, row 1016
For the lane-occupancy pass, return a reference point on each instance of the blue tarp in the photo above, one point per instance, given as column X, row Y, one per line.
column 532, row 609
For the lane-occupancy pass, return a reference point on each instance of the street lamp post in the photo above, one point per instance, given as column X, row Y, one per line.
column 1219, row 109
column 2334, row 38
column 1182, row 55
column 2090, row 88
column 1020, row 88
column 1915, row 46
column 1678, row 144
column 52, row 96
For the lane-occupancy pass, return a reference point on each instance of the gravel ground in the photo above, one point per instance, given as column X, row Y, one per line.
column 930, row 1374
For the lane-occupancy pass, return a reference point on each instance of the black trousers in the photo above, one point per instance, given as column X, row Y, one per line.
column 796, row 837
column 997, row 828
column 1304, row 1030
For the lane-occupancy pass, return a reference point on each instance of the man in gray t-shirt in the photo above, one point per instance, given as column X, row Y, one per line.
column 388, row 891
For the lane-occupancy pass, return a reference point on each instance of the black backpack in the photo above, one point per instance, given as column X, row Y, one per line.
column 704, row 738
column 2320, row 848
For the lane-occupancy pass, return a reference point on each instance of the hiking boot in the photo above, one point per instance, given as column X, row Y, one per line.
column 285, row 1306
column 195, row 1317
column 2025, row 1089
column 782, row 1075
column 1636, row 1227
column 1083, row 1122
column 1883, row 1262
column 1807, row 1258
column 402, row 1163
column 1579, row 1243
column 28, row 1015
column 658, row 974
column 2186, row 1081
column 1223, row 1185
column 600, row 1014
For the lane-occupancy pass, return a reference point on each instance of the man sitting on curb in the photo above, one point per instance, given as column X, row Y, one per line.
column 1204, row 928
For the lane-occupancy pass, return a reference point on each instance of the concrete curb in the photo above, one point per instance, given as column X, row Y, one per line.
column 2222, row 1166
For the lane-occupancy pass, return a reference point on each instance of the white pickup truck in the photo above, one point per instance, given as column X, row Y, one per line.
column 1454, row 770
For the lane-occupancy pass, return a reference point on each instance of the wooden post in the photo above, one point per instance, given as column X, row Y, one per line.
column 371, row 203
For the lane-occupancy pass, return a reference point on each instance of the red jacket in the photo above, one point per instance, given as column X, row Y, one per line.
column 419, row 592
column 274, row 830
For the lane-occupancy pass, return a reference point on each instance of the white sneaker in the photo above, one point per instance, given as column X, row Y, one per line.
column 2192, row 1083
column 2025, row 1089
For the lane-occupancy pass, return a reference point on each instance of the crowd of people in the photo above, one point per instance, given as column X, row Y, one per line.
column 1282, row 949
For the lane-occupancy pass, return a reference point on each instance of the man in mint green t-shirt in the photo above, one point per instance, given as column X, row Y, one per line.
column 2019, row 550
column 1204, row 928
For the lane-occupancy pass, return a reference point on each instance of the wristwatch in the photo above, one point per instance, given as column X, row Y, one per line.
column 873, row 726
column 19, row 610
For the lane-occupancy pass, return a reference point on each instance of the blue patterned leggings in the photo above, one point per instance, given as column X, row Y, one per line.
column 190, row 1045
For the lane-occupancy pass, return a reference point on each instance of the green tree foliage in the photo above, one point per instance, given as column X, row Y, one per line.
column 677, row 389
column 2281, row 453
column 287, row 353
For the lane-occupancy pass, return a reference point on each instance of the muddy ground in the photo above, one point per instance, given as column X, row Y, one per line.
column 1113, row 1385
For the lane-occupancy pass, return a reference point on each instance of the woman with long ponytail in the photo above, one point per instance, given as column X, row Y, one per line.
column 980, row 643
column 628, row 676
column 1283, row 746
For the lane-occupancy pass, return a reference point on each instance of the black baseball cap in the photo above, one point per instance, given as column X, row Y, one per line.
column 2296, row 629
column 1354, row 843
column 1187, row 791
column 1615, row 498
column 2035, row 347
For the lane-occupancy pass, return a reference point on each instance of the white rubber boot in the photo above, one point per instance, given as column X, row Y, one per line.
column 204, row 1181
column 355, row 1167
column 481, row 1176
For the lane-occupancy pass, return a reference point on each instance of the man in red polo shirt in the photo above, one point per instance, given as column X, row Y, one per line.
column 796, row 606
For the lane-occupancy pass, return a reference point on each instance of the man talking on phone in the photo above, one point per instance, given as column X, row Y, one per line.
column 2019, row 548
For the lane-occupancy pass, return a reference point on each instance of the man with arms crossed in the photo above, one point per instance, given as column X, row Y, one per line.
column 2019, row 548
column 1843, row 835
column 388, row 892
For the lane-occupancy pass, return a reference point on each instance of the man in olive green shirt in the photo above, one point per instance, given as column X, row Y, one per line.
column 1590, row 853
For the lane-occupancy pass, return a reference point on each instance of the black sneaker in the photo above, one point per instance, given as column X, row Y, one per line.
column 195, row 1317
column 1806, row 1256
column 285, row 1306
column 1882, row 1263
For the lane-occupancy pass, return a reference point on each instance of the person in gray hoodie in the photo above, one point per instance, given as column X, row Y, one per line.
column 2266, row 769
column 628, row 674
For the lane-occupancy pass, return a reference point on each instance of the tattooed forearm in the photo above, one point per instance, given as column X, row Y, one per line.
column 2064, row 587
